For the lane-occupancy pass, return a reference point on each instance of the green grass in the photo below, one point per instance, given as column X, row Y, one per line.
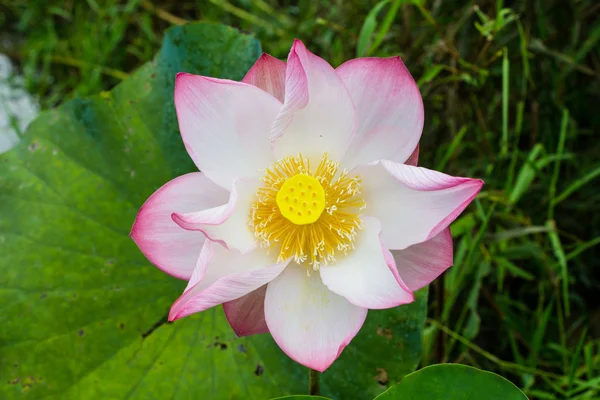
column 511, row 95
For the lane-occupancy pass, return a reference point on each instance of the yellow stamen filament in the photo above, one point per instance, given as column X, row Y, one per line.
column 310, row 216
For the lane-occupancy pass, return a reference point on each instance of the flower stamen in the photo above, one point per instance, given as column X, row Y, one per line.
column 308, row 216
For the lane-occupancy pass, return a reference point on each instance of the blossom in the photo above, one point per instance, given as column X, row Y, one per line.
column 309, row 208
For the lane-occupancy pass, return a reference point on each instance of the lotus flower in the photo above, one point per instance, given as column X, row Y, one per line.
column 309, row 208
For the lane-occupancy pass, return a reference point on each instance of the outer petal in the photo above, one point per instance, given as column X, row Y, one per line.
column 163, row 242
column 421, row 263
column 310, row 323
column 318, row 114
column 268, row 73
column 228, row 223
column 223, row 275
column 389, row 107
column 225, row 126
column 367, row 277
column 413, row 203
column 246, row 315
column 414, row 158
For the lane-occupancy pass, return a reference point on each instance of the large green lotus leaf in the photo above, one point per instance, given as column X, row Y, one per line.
column 453, row 382
column 83, row 313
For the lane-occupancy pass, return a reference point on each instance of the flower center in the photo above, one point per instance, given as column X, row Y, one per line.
column 301, row 199
column 305, row 214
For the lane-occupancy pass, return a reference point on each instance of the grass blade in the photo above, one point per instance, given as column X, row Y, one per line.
column 367, row 29
column 559, row 152
column 526, row 175
column 385, row 26
column 505, row 94
column 514, row 269
column 588, row 354
column 577, row 185
column 575, row 360
column 538, row 336
column 562, row 262
column 515, row 152
column 452, row 148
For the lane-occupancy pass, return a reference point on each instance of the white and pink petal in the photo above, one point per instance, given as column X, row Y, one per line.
column 367, row 276
column 389, row 108
column 413, row 159
column 246, row 315
column 226, row 223
column 310, row 323
column 413, row 203
column 318, row 115
column 268, row 73
column 223, row 275
column 163, row 242
column 225, row 126
column 421, row 263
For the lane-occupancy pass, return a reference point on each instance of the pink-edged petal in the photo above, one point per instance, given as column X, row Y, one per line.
column 227, row 223
column 225, row 126
column 223, row 275
column 246, row 315
column 268, row 73
column 421, row 263
column 310, row 323
column 413, row 203
column 413, row 159
column 389, row 108
column 318, row 114
column 163, row 242
column 367, row 276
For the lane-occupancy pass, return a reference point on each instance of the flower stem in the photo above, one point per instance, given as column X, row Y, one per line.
column 314, row 382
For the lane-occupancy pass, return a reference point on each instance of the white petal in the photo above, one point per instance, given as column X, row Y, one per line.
column 222, row 275
column 311, row 324
column 318, row 114
column 413, row 203
column 228, row 223
column 225, row 126
column 367, row 276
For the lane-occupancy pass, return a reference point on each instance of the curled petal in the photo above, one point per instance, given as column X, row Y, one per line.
column 421, row 263
column 268, row 73
column 246, row 315
column 389, row 108
column 318, row 114
column 413, row 203
column 163, row 242
column 227, row 223
column 367, row 276
column 225, row 126
column 311, row 324
column 223, row 275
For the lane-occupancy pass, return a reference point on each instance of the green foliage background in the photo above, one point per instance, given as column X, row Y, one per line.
column 511, row 92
